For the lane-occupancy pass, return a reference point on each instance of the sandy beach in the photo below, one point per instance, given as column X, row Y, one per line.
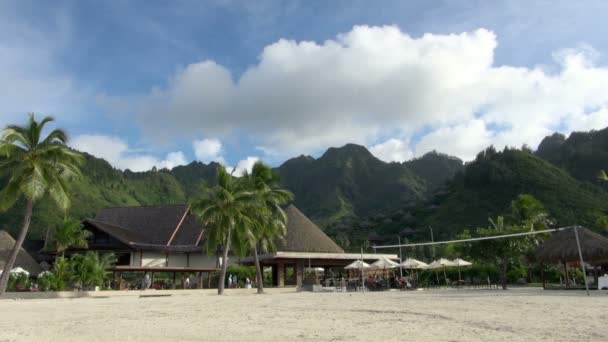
column 466, row 315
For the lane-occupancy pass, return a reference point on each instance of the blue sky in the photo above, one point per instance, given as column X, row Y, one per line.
column 136, row 81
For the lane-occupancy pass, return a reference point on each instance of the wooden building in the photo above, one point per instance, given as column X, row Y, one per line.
column 161, row 238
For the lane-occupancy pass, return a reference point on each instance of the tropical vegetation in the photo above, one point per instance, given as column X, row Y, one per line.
column 267, row 217
column 223, row 209
column 35, row 166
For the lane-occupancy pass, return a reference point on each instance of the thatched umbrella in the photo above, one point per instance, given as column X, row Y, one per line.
column 574, row 244
column 561, row 247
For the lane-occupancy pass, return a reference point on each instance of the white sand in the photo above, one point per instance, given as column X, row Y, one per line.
column 466, row 315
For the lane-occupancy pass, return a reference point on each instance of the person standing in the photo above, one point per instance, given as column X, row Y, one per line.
column 235, row 281
column 230, row 281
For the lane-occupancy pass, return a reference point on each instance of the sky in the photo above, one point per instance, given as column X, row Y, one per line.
column 165, row 83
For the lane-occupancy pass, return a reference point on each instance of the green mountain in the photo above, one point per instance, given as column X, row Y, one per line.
column 357, row 197
column 582, row 154
column 101, row 186
column 349, row 182
column 435, row 168
column 489, row 184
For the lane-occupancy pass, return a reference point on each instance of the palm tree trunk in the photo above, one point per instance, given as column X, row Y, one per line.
column 503, row 275
column 258, row 270
column 222, row 280
column 17, row 247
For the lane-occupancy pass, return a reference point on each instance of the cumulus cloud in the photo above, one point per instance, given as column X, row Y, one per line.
column 304, row 96
column 208, row 150
column 242, row 166
column 392, row 150
column 117, row 152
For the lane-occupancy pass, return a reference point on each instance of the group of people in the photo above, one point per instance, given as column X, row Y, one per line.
column 233, row 282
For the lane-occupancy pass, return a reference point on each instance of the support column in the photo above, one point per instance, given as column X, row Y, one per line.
column 299, row 273
column 200, row 280
column 280, row 275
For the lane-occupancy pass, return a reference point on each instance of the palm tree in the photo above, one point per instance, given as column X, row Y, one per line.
column 35, row 166
column 223, row 209
column 269, row 221
column 91, row 269
column 70, row 234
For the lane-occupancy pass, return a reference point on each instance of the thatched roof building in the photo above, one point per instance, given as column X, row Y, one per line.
column 24, row 260
column 561, row 247
column 304, row 236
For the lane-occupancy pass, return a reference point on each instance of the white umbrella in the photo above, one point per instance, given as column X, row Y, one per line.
column 413, row 264
column 442, row 263
column 384, row 263
column 461, row 263
column 356, row 265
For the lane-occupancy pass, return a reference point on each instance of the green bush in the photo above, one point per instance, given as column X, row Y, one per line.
column 18, row 281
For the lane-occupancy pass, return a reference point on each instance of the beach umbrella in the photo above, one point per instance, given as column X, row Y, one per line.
column 384, row 263
column 356, row 265
column 461, row 263
column 442, row 263
column 413, row 264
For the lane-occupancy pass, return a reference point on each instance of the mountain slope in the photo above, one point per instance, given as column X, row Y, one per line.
column 583, row 154
column 489, row 184
column 348, row 182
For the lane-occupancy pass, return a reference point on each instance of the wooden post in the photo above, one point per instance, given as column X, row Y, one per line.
column 173, row 286
column 542, row 275
column 280, row 274
column 120, row 280
column 200, row 280
column 299, row 273
column 580, row 255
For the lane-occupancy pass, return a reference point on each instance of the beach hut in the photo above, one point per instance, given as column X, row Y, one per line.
column 24, row 260
column 562, row 248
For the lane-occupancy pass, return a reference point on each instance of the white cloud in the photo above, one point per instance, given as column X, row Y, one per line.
column 304, row 96
column 464, row 141
column 208, row 150
column 117, row 152
column 242, row 166
column 392, row 150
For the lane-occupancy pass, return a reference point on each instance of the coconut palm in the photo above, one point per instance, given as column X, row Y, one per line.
column 224, row 209
column 35, row 166
column 70, row 234
column 268, row 219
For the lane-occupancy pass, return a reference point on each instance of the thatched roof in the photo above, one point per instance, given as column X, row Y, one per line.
column 156, row 227
column 24, row 260
column 304, row 236
column 562, row 247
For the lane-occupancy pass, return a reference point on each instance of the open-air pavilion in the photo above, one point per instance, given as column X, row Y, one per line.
column 307, row 245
